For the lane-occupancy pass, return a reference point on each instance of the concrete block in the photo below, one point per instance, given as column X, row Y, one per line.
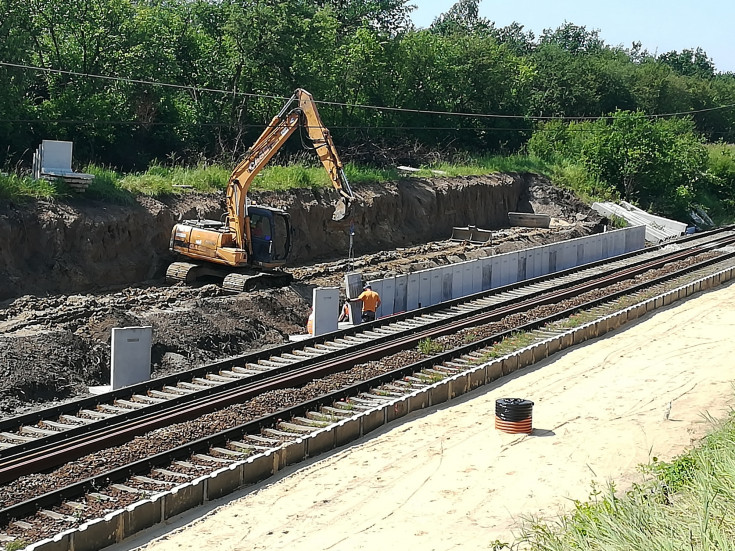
column 478, row 376
column 553, row 345
column 292, row 452
column 600, row 327
column 439, row 392
column 642, row 309
column 184, row 497
column 419, row 399
column 493, row 371
column 697, row 286
column 397, row 409
column 668, row 298
column 566, row 340
column 412, row 292
column 346, row 431
column 372, row 419
column 580, row 334
column 457, row 281
column 525, row 357
column 650, row 304
column 540, row 351
column 320, row 441
column 447, row 291
column 659, row 301
column 424, row 297
column 130, row 355
column 98, row 533
column 258, row 467
column 476, row 277
column 387, row 297
column 486, row 265
column 459, row 384
column 400, row 302
column 224, row 481
column 325, row 301
column 353, row 284
column 60, row 542
column 141, row 515
column 437, row 277
column 510, row 364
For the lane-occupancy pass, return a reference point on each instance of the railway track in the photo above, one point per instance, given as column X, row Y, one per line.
column 288, row 367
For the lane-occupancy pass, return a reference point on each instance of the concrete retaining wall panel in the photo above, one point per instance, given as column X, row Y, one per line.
column 457, row 277
column 346, row 431
column 553, row 345
column 293, row 452
column 459, row 384
column 496, row 263
column 184, row 497
column 325, row 301
column 258, row 467
column 669, row 298
column 424, row 288
column 510, row 364
column 372, row 419
column 601, row 327
column 141, row 515
column 580, row 334
column 476, row 267
column 397, row 409
column 400, row 302
column 467, row 271
column 419, row 399
column 224, row 481
column 60, row 542
column 437, row 278
column 98, row 533
column 387, row 292
column 494, row 371
column 522, row 266
column 540, row 351
column 486, row 265
column 477, row 377
column 509, row 268
column 566, row 340
column 439, row 392
column 525, row 357
column 320, row 441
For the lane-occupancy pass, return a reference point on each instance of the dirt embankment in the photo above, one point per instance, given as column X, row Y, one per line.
column 75, row 246
column 73, row 271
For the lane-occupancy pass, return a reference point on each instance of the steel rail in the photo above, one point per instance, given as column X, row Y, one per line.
column 51, row 499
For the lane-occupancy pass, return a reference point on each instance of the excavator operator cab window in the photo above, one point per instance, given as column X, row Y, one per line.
column 260, row 231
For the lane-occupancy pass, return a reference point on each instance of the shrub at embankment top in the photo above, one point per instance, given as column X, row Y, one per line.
column 659, row 164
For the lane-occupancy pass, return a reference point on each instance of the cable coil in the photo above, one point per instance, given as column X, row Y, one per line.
column 514, row 415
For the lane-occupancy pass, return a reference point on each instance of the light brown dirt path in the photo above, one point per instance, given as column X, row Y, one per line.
column 447, row 479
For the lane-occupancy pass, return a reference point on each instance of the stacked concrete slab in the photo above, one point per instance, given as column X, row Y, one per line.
column 52, row 161
column 444, row 283
column 658, row 228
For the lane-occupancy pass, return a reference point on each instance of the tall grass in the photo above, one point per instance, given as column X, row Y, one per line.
column 685, row 504
column 24, row 188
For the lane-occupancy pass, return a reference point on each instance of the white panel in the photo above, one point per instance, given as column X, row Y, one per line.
column 130, row 355
column 497, row 268
column 509, row 268
column 487, row 273
column 424, row 288
column 476, row 276
column 326, row 309
column 412, row 291
column 387, row 297
column 543, row 260
column 521, row 265
column 436, row 286
column 604, row 245
column 592, row 249
column 401, row 297
column 635, row 238
column 457, row 277
column 377, row 286
column 467, row 272
column 353, row 284
column 618, row 242
column 447, row 282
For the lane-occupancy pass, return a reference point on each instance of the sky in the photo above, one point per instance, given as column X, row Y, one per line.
column 660, row 25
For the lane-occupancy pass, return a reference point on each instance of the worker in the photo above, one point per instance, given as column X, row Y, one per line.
column 370, row 302
column 258, row 229
column 310, row 322
column 345, row 315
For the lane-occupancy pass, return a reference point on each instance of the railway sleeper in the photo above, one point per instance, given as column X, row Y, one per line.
column 229, row 453
column 130, row 404
column 156, row 482
column 316, row 423
column 57, row 426
column 74, row 420
column 282, row 436
column 173, row 474
column 210, row 458
column 295, row 428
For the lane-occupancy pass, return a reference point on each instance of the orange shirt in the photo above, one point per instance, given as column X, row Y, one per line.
column 370, row 300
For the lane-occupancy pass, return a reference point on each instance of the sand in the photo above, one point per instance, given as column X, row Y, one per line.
column 445, row 478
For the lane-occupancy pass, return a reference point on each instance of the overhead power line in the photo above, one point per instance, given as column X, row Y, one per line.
column 353, row 105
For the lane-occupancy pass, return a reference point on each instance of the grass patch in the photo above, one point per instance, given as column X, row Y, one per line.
column 428, row 347
column 24, row 188
column 688, row 503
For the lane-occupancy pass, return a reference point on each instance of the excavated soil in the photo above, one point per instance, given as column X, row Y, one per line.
column 75, row 270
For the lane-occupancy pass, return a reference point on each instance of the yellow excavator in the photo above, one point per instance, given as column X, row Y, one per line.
column 252, row 242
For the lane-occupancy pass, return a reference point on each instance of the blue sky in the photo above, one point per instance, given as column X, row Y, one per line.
column 660, row 25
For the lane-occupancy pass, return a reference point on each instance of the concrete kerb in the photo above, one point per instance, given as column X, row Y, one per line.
column 124, row 523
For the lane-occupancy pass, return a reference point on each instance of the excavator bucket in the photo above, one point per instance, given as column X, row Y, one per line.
column 342, row 210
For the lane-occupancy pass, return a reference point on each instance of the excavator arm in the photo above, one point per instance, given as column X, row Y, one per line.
column 267, row 145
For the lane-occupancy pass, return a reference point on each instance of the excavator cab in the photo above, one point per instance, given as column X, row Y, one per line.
column 270, row 234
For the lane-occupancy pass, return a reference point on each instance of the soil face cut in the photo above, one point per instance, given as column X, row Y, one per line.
column 75, row 270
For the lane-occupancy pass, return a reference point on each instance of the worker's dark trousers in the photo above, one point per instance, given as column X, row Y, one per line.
column 368, row 316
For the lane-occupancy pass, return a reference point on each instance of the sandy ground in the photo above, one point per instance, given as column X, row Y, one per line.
column 446, row 479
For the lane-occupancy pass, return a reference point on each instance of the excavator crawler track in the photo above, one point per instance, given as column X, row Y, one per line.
column 243, row 282
column 184, row 272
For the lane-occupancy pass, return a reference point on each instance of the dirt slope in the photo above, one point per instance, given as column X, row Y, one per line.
column 76, row 270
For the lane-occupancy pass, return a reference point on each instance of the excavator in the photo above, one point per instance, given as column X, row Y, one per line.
column 251, row 242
